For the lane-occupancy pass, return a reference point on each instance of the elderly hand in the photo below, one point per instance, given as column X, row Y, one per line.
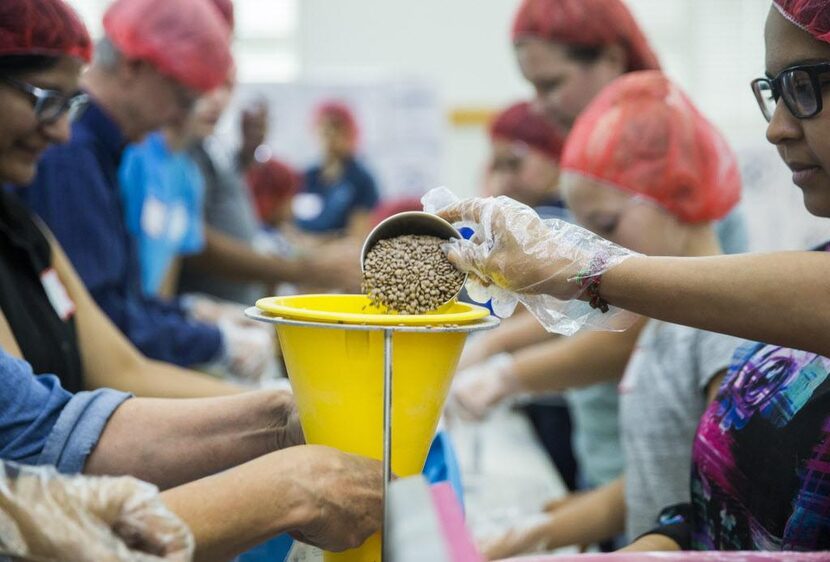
column 345, row 497
column 47, row 515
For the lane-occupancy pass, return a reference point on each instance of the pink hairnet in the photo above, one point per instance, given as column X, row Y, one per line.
column 586, row 23
column 225, row 7
column 340, row 114
column 519, row 123
column 186, row 40
column 42, row 27
column 813, row 16
column 643, row 135
column 272, row 183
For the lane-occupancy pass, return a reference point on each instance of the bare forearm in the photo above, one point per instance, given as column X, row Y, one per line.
column 591, row 518
column 235, row 510
column 169, row 442
column 163, row 380
column 236, row 261
column 776, row 298
column 651, row 543
column 518, row 332
column 581, row 360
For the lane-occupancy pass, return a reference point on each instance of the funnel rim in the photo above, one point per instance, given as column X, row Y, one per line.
column 280, row 306
column 487, row 323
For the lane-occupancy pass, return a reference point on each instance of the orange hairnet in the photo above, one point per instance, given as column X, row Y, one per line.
column 42, row 27
column 341, row 114
column 586, row 23
column 813, row 16
column 643, row 135
column 272, row 184
column 519, row 123
column 186, row 40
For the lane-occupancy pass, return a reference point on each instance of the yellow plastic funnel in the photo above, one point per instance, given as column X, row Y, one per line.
column 333, row 347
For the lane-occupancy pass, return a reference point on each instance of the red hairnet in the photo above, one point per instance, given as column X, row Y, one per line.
column 186, row 40
column 225, row 8
column 340, row 114
column 813, row 16
column 586, row 23
column 272, row 184
column 644, row 136
column 519, row 123
column 42, row 27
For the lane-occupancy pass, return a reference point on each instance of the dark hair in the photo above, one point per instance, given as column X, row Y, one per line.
column 584, row 55
column 12, row 65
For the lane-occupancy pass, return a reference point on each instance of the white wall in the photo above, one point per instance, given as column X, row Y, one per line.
column 712, row 47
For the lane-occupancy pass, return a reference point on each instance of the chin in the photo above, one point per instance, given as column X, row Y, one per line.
column 817, row 202
column 18, row 174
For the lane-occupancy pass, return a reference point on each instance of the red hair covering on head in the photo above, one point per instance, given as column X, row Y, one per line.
column 586, row 23
column 225, row 8
column 813, row 16
column 42, row 27
column 272, row 184
column 186, row 40
column 643, row 135
column 519, row 123
column 340, row 114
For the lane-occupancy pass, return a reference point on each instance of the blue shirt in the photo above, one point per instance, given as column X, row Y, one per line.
column 335, row 203
column 41, row 423
column 76, row 193
column 162, row 195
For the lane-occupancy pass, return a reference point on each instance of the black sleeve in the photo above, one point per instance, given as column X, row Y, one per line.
column 674, row 522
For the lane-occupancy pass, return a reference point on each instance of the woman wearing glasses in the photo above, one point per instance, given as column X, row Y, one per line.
column 761, row 457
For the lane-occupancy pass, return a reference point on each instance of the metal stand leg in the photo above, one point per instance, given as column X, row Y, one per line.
column 387, row 433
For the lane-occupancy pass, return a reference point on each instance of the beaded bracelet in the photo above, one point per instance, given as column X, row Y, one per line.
column 590, row 283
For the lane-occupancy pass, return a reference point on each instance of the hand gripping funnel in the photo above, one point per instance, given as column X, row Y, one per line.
column 340, row 352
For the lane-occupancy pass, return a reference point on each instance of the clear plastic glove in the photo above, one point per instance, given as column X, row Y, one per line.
column 516, row 257
column 249, row 351
column 531, row 536
column 48, row 516
column 478, row 389
column 346, row 492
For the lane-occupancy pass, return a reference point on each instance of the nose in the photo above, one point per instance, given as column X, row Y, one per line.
column 783, row 127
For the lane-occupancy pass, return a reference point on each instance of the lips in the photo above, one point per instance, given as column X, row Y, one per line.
column 803, row 173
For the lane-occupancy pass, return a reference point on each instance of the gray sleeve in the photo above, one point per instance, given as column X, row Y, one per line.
column 714, row 354
column 78, row 429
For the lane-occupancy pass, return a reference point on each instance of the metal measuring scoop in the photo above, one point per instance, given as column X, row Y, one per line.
column 411, row 222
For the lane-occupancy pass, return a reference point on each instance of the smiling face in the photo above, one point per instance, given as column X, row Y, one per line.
column 565, row 86
column 803, row 144
column 624, row 219
column 22, row 138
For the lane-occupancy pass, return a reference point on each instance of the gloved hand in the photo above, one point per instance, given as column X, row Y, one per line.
column 530, row 536
column 476, row 390
column 54, row 517
column 249, row 350
column 515, row 257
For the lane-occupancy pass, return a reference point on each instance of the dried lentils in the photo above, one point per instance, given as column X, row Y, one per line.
column 410, row 274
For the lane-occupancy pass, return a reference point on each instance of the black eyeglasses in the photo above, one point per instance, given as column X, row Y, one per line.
column 50, row 105
column 799, row 87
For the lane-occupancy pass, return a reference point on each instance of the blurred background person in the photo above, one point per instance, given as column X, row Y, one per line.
column 338, row 194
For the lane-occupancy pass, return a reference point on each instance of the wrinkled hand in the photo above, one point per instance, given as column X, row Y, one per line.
column 476, row 390
column 345, row 493
column 50, row 516
column 286, row 422
column 528, row 537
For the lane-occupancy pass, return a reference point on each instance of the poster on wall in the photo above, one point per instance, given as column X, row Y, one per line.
column 401, row 126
